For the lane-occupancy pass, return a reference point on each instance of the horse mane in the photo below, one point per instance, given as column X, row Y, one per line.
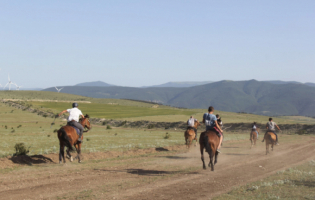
column 87, row 116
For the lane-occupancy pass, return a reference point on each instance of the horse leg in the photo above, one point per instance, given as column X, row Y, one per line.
column 62, row 154
column 69, row 155
column 211, row 155
column 202, row 157
column 272, row 147
column 79, row 152
column 216, row 157
column 267, row 148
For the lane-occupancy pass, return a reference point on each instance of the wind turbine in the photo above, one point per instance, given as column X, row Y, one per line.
column 58, row 89
column 17, row 87
column 9, row 83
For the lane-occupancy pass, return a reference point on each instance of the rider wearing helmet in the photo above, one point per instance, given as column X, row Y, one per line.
column 73, row 119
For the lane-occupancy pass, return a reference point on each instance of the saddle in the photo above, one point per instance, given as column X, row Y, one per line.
column 216, row 130
column 78, row 131
column 75, row 128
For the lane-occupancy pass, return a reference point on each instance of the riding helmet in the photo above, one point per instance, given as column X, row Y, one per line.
column 74, row 105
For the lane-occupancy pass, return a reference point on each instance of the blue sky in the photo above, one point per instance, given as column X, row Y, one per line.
column 138, row 43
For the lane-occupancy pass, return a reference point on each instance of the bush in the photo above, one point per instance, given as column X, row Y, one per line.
column 150, row 126
column 56, row 130
column 13, row 131
column 167, row 136
column 20, row 149
column 88, row 139
column 108, row 127
column 104, row 123
column 19, row 126
column 6, row 127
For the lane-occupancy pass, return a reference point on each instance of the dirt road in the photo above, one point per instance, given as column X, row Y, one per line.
column 158, row 175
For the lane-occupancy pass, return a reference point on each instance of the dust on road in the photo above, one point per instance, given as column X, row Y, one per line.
column 160, row 175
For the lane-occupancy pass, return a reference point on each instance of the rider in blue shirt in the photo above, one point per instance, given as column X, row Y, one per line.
column 211, row 124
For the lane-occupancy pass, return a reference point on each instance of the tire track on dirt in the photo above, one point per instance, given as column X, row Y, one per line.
column 209, row 184
column 230, row 171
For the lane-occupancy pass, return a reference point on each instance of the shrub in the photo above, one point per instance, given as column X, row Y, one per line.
column 48, row 135
column 167, row 136
column 13, row 131
column 88, row 139
column 19, row 126
column 150, row 126
column 104, row 123
column 20, row 149
column 6, row 127
column 56, row 130
column 108, row 127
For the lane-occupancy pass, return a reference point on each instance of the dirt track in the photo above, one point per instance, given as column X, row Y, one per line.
column 162, row 175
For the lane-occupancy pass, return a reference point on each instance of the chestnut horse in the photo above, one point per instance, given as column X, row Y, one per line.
column 190, row 135
column 270, row 139
column 253, row 138
column 210, row 141
column 68, row 137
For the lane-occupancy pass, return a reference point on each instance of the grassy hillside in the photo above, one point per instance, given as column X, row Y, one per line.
column 112, row 111
column 234, row 96
column 133, row 110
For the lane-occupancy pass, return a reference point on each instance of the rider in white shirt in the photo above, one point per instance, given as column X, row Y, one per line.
column 73, row 119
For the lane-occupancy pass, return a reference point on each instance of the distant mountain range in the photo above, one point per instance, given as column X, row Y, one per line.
column 95, row 83
column 181, row 84
column 258, row 97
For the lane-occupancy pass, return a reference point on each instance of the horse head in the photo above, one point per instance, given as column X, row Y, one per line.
column 197, row 123
column 86, row 122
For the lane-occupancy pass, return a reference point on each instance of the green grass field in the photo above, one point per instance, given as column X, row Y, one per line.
column 35, row 132
column 134, row 110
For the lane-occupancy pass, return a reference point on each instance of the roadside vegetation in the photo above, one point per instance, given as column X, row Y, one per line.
column 293, row 183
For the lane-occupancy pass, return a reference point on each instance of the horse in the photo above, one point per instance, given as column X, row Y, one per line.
column 253, row 138
column 209, row 140
column 68, row 137
column 190, row 135
column 270, row 139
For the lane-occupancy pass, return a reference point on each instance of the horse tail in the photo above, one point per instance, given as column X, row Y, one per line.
column 206, row 144
column 64, row 137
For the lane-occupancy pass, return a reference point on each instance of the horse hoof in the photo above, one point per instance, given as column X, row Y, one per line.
column 71, row 159
column 212, row 169
column 80, row 161
column 204, row 168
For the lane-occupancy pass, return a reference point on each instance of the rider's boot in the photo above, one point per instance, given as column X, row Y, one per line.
column 79, row 139
column 277, row 143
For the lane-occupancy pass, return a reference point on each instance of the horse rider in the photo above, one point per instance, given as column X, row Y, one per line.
column 73, row 119
column 254, row 128
column 211, row 124
column 271, row 128
column 219, row 120
column 191, row 125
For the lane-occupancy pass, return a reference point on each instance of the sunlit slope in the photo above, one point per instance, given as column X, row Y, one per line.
column 252, row 96
column 54, row 96
column 112, row 111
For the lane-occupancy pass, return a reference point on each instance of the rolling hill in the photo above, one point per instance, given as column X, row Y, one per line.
column 181, row 84
column 258, row 97
column 95, row 83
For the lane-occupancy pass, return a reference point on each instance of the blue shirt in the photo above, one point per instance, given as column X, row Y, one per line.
column 209, row 120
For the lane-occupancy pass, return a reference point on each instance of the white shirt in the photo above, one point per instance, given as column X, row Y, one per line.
column 74, row 114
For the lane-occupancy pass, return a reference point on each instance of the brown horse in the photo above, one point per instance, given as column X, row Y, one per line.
column 210, row 141
column 190, row 135
column 270, row 139
column 68, row 137
column 253, row 138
